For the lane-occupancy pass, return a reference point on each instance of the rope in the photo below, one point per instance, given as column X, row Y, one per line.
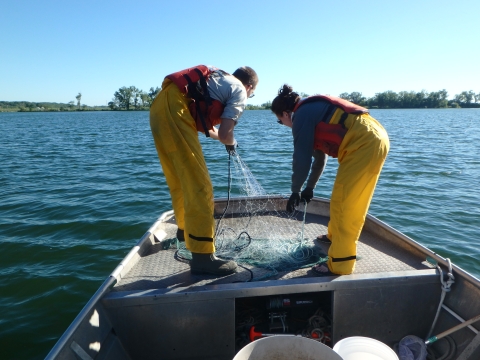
column 228, row 195
column 446, row 285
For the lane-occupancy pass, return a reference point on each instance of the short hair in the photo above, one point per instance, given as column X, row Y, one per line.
column 247, row 76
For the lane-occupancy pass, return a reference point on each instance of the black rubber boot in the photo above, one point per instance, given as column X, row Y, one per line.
column 210, row 264
column 180, row 235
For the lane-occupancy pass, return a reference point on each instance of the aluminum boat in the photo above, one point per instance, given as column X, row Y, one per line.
column 152, row 307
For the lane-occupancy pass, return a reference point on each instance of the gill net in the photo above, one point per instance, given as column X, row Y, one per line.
column 254, row 239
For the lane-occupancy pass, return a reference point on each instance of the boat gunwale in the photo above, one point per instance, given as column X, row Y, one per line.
column 269, row 288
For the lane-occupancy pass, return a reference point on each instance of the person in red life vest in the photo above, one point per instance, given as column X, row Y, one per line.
column 327, row 125
column 191, row 100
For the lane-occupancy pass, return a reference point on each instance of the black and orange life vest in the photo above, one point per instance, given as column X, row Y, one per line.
column 205, row 110
column 328, row 137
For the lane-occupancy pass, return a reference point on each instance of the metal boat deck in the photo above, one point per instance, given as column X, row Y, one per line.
column 159, row 268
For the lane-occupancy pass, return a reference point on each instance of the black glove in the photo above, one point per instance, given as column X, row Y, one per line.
column 293, row 202
column 307, row 194
column 231, row 149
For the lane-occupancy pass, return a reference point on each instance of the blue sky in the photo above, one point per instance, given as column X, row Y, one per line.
column 52, row 50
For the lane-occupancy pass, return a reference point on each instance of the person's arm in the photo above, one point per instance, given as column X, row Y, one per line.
column 303, row 137
column 319, row 162
column 225, row 132
column 213, row 133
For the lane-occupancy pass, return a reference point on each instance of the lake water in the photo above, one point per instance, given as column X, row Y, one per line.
column 78, row 190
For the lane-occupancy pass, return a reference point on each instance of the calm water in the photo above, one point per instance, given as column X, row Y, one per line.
column 79, row 189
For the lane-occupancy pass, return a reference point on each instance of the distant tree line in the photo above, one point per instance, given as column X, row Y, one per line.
column 402, row 100
column 264, row 106
column 268, row 104
column 131, row 98
column 414, row 100
column 22, row 106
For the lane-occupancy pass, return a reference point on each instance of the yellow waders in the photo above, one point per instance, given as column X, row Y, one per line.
column 361, row 157
column 186, row 173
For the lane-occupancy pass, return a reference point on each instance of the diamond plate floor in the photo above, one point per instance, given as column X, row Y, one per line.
column 161, row 269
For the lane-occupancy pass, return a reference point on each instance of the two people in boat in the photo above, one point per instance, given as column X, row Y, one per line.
column 321, row 126
column 219, row 99
column 326, row 125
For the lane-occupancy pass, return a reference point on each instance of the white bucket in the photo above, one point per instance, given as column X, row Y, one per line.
column 363, row 348
column 286, row 347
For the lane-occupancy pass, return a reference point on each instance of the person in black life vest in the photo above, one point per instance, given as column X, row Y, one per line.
column 191, row 100
column 327, row 125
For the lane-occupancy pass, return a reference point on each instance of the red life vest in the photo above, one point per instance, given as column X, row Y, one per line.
column 328, row 137
column 205, row 111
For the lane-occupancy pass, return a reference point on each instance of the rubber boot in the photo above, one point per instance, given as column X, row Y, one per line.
column 180, row 235
column 210, row 264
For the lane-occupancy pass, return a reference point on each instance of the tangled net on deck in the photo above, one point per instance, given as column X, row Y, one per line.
column 256, row 241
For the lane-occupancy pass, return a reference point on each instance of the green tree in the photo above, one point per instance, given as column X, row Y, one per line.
column 469, row 97
column 421, row 99
column 145, row 99
column 79, row 98
column 466, row 99
column 123, row 97
column 267, row 105
column 354, row 97
column 153, row 93
column 386, row 100
column 437, row 99
column 443, row 98
column 112, row 105
column 406, row 99
column 136, row 95
column 357, row 98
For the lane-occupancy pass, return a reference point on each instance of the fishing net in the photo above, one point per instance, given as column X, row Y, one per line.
column 255, row 240
column 412, row 348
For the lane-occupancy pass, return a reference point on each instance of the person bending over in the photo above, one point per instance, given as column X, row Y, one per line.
column 327, row 125
column 191, row 100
